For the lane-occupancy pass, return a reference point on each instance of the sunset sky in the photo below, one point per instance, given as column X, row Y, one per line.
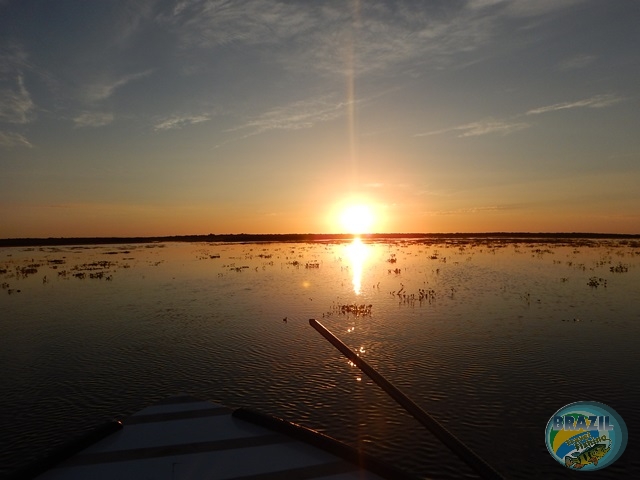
column 143, row 118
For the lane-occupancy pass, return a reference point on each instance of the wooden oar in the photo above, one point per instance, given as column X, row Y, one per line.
column 456, row 446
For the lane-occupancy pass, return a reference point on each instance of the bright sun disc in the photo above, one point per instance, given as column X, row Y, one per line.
column 357, row 219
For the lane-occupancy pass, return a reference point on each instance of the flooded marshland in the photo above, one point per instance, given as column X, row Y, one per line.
column 489, row 336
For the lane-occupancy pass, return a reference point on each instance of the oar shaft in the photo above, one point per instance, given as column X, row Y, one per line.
column 451, row 441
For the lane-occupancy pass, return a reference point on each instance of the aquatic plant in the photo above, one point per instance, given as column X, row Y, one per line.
column 355, row 309
column 595, row 282
column 620, row 268
column 26, row 271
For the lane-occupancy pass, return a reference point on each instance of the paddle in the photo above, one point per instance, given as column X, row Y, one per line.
column 456, row 446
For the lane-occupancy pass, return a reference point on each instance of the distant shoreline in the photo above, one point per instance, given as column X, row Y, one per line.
column 308, row 237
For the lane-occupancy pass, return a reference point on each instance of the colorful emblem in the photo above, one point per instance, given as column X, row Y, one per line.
column 586, row 436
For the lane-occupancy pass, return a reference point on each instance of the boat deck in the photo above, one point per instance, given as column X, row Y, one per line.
column 187, row 438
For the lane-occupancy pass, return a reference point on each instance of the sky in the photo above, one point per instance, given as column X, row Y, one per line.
column 157, row 117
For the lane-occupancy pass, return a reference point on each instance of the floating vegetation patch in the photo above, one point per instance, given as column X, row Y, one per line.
column 428, row 294
column 95, row 270
column 541, row 251
column 238, row 269
column 26, row 271
column 423, row 295
column 620, row 268
column 595, row 282
column 98, row 265
column 355, row 309
column 205, row 255
column 100, row 276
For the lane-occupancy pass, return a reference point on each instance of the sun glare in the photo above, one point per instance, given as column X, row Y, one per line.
column 357, row 219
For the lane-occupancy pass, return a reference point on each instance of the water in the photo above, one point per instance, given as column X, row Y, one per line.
column 490, row 337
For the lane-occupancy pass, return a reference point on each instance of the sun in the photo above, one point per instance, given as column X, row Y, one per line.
column 357, row 219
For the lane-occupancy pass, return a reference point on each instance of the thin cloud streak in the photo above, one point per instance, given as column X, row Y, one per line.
column 295, row 116
column 12, row 139
column 577, row 62
column 503, row 128
column 598, row 101
column 474, row 210
column 477, row 129
column 93, row 119
column 491, row 127
column 102, row 90
column 16, row 105
column 180, row 121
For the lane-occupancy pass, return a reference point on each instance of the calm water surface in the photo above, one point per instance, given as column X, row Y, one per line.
column 490, row 337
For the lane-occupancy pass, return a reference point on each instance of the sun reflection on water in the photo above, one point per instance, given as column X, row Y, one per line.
column 357, row 253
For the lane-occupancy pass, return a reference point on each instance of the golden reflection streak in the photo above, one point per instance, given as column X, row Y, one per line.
column 357, row 253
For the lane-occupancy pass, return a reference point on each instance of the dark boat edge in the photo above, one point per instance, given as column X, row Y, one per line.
column 323, row 442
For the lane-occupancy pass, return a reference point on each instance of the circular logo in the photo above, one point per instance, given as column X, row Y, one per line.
column 586, row 436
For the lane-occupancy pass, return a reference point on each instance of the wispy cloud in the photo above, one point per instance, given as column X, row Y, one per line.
column 13, row 61
column 598, row 101
column 338, row 37
column 577, row 62
column 474, row 210
column 506, row 127
column 12, row 139
column 102, row 90
column 180, row 121
column 491, row 127
column 93, row 119
column 129, row 17
column 487, row 127
column 16, row 105
column 295, row 116
column 527, row 8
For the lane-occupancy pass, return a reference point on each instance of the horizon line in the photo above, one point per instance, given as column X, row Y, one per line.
column 289, row 237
